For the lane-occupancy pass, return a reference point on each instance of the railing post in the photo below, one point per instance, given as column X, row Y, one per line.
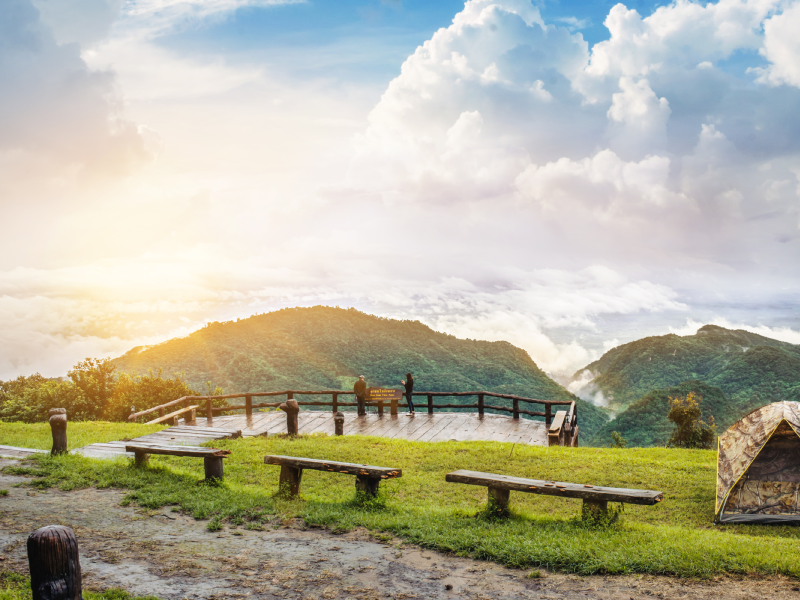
column 209, row 410
column 516, row 408
column 336, row 403
column 480, row 405
column 548, row 415
column 290, row 395
column 430, row 404
column 248, row 405
column 161, row 412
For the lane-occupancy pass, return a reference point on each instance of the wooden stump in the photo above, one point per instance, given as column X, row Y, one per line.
column 58, row 427
column 338, row 421
column 289, row 482
column 213, row 467
column 54, row 564
column 291, row 408
column 368, row 485
column 498, row 499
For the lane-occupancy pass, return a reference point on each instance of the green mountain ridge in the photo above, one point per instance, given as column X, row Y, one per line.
column 328, row 348
column 738, row 370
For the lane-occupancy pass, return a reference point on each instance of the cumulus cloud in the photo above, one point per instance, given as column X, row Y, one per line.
column 782, row 48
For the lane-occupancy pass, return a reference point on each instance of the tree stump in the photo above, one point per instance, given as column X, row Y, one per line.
column 54, row 564
column 291, row 408
column 58, row 427
column 338, row 421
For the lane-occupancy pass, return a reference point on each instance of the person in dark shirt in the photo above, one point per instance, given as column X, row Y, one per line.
column 409, row 383
column 360, row 389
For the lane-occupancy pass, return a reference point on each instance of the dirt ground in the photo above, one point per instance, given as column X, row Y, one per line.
column 173, row 556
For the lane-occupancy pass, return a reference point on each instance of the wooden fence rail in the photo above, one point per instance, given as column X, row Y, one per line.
column 335, row 403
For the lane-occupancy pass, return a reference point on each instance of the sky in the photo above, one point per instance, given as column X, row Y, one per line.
column 566, row 176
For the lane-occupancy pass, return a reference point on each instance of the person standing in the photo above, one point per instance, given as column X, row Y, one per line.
column 360, row 390
column 409, row 383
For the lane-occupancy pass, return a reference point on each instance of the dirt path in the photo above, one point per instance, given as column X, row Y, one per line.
column 175, row 557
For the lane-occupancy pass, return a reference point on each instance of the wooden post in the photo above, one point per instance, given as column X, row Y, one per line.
column 289, row 482
column 430, row 404
column 192, row 416
column 58, row 427
column 140, row 459
column 338, row 422
column 336, row 403
column 248, row 406
column 290, row 396
column 291, row 408
column 368, row 485
column 54, row 564
column 209, row 411
column 480, row 405
column 498, row 499
column 161, row 412
column 516, row 408
column 593, row 509
column 213, row 467
column 548, row 416
column 393, row 407
column 380, row 407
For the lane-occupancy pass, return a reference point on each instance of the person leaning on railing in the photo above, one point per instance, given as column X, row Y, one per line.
column 409, row 383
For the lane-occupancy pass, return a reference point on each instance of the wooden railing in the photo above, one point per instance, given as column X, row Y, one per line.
column 335, row 403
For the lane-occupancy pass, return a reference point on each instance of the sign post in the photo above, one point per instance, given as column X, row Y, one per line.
column 382, row 395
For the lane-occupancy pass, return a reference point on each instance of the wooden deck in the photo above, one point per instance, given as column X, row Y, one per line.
column 422, row 427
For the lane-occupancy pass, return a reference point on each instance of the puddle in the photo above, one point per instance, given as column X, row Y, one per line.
column 173, row 556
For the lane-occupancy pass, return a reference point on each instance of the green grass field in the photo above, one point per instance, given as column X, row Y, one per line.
column 674, row 537
column 16, row 587
column 79, row 433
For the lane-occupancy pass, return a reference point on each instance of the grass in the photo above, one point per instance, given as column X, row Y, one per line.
column 675, row 537
column 17, row 587
column 79, row 433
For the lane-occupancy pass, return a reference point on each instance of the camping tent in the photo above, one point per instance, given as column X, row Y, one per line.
column 758, row 468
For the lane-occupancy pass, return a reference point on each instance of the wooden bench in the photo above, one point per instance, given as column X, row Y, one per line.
column 367, row 477
column 212, row 458
column 595, row 498
column 173, row 416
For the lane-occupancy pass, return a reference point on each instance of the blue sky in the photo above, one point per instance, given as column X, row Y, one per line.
column 566, row 176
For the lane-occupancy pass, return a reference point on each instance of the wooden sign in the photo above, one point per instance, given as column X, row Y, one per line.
column 385, row 394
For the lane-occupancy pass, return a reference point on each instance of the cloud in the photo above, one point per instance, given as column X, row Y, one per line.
column 782, row 48
column 784, row 334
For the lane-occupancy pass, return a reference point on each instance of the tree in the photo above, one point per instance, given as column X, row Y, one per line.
column 618, row 440
column 690, row 430
column 96, row 379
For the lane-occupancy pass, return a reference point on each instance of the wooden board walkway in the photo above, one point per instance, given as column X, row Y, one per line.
column 182, row 435
column 438, row 427
column 14, row 452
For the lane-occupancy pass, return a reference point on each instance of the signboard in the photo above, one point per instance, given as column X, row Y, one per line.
column 384, row 394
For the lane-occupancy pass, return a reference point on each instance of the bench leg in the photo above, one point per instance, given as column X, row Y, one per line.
column 192, row 416
column 140, row 459
column 289, row 483
column 213, row 465
column 594, row 508
column 174, row 421
column 498, row 499
column 368, row 485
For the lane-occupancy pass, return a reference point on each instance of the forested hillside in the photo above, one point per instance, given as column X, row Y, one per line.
column 644, row 423
column 328, row 348
column 750, row 369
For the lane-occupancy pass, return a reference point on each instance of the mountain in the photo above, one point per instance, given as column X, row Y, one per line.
column 328, row 348
column 644, row 423
column 750, row 369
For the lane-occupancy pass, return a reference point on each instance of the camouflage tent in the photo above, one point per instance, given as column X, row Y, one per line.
column 758, row 468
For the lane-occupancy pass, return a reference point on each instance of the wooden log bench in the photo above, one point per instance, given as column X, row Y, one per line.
column 595, row 498
column 367, row 477
column 172, row 417
column 212, row 458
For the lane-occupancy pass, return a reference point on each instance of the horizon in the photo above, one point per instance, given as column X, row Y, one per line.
column 567, row 177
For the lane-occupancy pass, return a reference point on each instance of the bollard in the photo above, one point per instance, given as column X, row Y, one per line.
column 58, row 427
column 54, row 564
column 291, row 408
column 338, row 421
